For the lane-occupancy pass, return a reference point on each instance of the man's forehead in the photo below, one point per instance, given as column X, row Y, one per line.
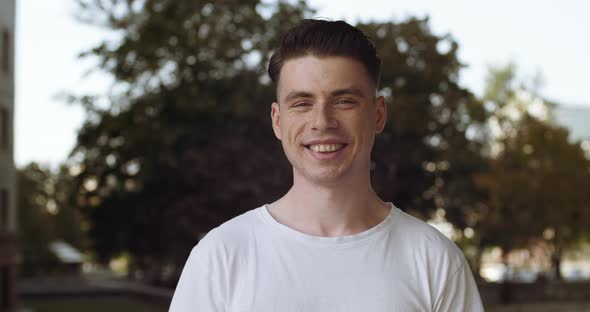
column 327, row 75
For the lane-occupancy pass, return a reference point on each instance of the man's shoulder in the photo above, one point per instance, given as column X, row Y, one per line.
column 423, row 236
column 449, row 280
column 234, row 232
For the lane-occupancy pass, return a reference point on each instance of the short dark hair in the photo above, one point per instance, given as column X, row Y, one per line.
column 325, row 38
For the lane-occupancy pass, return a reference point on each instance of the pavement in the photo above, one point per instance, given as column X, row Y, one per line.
column 542, row 307
column 108, row 285
column 64, row 286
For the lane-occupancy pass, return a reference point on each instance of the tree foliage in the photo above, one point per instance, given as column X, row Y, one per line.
column 183, row 140
column 44, row 217
column 539, row 181
column 431, row 149
column 182, row 144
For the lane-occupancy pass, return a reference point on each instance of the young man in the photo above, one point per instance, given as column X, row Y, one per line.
column 330, row 243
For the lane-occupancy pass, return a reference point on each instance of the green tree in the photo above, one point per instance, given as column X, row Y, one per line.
column 44, row 218
column 538, row 181
column 431, row 150
column 184, row 141
column 35, row 233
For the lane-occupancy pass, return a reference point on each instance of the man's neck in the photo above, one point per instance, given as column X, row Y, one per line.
column 335, row 210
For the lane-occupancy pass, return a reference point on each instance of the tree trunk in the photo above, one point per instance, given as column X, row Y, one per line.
column 476, row 264
column 556, row 263
column 506, row 289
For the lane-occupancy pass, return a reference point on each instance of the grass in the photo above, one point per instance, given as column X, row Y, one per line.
column 91, row 305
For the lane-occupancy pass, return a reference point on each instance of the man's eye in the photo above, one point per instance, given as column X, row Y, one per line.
column 345, row 101
column 301, row 104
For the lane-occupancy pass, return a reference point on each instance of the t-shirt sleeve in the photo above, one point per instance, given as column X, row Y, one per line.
column 200, row 287
column 459, row 293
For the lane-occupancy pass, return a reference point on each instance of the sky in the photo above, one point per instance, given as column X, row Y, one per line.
column 543, row 36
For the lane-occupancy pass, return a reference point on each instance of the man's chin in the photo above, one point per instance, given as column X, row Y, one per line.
column 326, row 177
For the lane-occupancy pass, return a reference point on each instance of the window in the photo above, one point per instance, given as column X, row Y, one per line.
column 3, row 208
column 4, row 129
column 6, row 48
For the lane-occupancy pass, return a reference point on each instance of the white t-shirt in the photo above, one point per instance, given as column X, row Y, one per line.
column 253, row 263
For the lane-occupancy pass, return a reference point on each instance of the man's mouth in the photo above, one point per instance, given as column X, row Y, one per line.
column 325, row 148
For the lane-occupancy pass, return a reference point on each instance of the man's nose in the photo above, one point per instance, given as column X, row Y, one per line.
column 323, row 118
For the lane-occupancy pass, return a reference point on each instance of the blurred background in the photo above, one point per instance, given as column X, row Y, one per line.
column 129, row 129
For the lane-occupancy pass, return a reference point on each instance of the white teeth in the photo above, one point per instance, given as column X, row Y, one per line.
column 325, row 148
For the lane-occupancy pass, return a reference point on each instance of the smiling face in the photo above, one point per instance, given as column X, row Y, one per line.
column 327, row 117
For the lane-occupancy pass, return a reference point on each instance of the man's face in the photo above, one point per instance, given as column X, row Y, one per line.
column 327, row 117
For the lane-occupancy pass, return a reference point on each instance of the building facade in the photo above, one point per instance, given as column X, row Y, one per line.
column 576, row 119
column 8, row 217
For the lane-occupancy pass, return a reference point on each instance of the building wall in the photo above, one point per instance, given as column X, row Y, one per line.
column 7, row 171
column 8, row 211
column 576, row 119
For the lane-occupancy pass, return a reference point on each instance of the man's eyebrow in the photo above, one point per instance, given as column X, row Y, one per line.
column 297, row 94
column 348, row 91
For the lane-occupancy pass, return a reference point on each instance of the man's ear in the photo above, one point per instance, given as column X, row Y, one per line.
column 381, row 114
column 276, row 119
